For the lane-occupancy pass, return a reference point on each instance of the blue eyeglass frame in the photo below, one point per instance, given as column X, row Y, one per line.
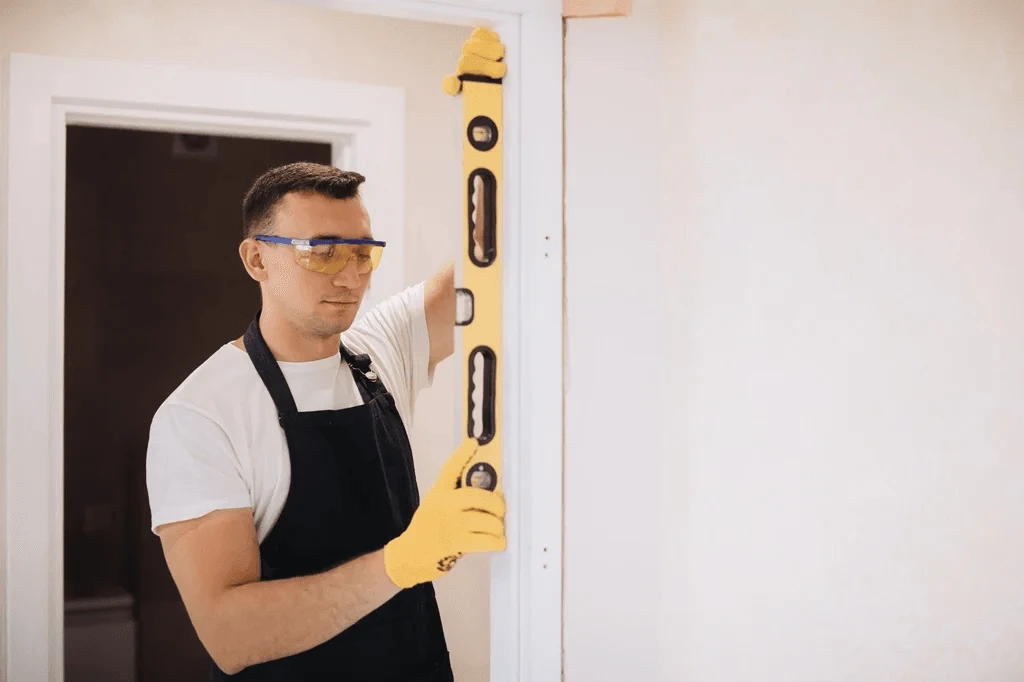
column 316, row 242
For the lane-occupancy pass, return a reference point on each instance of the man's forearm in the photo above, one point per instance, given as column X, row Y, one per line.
column 263, row 621
column 439, row 306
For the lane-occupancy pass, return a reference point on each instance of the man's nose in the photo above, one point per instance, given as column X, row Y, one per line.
column 348, row 277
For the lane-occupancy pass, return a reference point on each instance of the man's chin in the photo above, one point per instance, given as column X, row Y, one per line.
column 338, row 321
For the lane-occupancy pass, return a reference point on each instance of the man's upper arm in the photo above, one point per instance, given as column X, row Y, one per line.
column 192, row 467
column 202, row 511
column 439, row 307
column 197, row 489
column 208, row 556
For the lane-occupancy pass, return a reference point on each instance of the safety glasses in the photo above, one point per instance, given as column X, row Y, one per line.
column 331, row 256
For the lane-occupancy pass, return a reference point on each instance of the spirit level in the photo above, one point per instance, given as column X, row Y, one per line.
column 479, row 298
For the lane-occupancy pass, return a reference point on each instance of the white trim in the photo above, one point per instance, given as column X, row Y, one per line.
column 364, row 124
column 459, row 12
column 526, row 581
column 4, row 188
column 541, row 278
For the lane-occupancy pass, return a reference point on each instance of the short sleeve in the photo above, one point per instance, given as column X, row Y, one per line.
column 191, row 467
column 395, row 333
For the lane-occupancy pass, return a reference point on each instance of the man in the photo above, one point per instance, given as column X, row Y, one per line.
column 280, row 473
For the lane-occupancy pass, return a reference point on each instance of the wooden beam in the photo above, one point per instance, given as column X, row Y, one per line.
column 576, row 9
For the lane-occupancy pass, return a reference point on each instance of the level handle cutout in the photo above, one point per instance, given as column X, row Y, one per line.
column 483, row 217
column 464, row 307
column 483, row 366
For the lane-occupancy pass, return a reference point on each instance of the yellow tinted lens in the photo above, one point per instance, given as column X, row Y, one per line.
column 375, row 253
column 331, row 259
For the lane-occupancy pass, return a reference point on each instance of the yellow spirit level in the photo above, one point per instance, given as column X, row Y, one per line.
column 479, row 80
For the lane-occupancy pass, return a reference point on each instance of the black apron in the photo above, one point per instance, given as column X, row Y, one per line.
column 353, row 489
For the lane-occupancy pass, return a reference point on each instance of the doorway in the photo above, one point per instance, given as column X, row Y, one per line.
column 366, row 125
column 153, row 286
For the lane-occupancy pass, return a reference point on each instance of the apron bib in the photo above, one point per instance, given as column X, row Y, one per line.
column 353, row 489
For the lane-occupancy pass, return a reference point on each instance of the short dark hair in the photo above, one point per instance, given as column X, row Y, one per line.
column 271, row 187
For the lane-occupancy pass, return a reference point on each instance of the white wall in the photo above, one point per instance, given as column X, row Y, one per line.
column 842, row 331
column 296, row 40
column 612, row 453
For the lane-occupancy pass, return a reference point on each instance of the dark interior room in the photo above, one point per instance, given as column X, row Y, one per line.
column 154, row 285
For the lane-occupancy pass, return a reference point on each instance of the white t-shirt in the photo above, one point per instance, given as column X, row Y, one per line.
column 216, row 443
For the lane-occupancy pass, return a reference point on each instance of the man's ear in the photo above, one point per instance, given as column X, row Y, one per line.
column 252, row 259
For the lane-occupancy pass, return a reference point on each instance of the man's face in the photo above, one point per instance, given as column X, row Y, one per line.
column 318, row 304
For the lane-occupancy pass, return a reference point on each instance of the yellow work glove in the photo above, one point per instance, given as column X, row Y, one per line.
column 450, row 521
column 481, row 56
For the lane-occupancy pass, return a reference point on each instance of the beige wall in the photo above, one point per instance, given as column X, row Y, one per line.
column 284, row 39
column 838, row 322
column 612, row 458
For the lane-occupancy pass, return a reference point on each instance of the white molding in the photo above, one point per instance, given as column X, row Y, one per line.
column 365, row 125
column 4, row 186
column 526, row 581
column 460, row 12
column 541, row 279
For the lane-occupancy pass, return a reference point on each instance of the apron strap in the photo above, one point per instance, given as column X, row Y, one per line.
column 266, row 365
column 369, row 384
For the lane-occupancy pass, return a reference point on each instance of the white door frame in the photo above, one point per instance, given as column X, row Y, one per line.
column 365, row 124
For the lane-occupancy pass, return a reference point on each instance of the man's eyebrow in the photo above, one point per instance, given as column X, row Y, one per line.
column 338, row 236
